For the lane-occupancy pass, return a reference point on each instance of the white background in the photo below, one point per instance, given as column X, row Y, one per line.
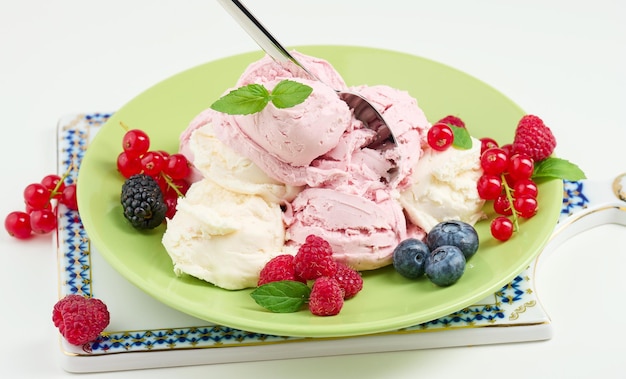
column 562, row 60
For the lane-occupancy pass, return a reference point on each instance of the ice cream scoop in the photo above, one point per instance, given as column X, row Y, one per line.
column 363, row 110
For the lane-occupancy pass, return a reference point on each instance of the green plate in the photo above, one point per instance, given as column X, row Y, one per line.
column 387, row 301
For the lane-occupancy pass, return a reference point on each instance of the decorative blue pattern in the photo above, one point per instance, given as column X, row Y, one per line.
column 574, row 198
column 75, row 275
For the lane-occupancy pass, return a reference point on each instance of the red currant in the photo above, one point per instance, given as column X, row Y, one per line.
column 501, row 228
column 520, row 167
column 440, row 137
column 487, row 143
column 42, row 221
column 494, row 161
column 51, row 182
column 152, row 163
column 526, row 206
column 68, row 197
column 525, row 187
column 171, row 202
column 135, row 143
column 502, row 206
column 37, row 196
column 489, row 186
column 177, row 166
column 508, row 148
column 128, row 166
column 17, row 224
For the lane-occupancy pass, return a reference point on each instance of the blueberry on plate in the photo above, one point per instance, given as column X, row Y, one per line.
column 454, row 233
column 445, row 265
column 409, row 258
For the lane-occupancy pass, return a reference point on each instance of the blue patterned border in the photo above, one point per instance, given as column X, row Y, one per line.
column 75, row 133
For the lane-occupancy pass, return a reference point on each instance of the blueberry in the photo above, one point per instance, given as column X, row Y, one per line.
column 454, row 233
column 445, row 265
column 409, row 258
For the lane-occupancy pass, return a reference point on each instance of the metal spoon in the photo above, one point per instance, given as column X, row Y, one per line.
column 362, row 108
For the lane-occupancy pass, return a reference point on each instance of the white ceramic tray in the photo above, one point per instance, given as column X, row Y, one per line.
column 145, row 333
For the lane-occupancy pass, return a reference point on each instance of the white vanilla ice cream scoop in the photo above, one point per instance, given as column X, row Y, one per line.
column 443, row 187
column 223, row 237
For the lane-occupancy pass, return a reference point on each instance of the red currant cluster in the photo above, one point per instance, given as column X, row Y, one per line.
column 169, row 170
column 507, row 181
column 41, row 200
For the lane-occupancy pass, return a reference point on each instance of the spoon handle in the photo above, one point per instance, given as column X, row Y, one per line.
column 257, row 31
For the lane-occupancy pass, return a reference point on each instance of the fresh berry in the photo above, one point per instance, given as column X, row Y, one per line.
column 281, row 267
column 68, row 197
column 349, row 280
column 135, row 143
column 42, row 221
column 525, row 187
column 520, row 166
column 452, row 120
column 152, row 163
column 533, row 138
column 142, row 202
column 314, row 259
column 487, row 143
column 326, row 298
column 79, row 319
column 525, row 205
column 445, row 265
column 489, row 186
column 494, row 161
column 501, row 228
column 54, row 184
column 440, row 137
column 37, row 196
column 17, row 224
column 502, row 205
column 454, row 233
column 128, row 166
column 177, row 166
column 409, row 258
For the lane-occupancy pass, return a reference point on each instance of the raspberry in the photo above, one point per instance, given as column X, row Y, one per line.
column 279, row 268
column 80, row 319
column 533, row 138
column 314, row 259
column 326, row 298
column 452, row 120
column 349, row 280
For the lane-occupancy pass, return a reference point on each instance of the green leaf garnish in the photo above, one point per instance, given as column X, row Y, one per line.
column 288, row 93
column 252, row 98
column 462, row 139
column 558, row 168
column 284, row 296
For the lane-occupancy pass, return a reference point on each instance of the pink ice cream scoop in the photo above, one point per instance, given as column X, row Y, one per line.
column 267, row 69
column 361, row 232
column 284, row 142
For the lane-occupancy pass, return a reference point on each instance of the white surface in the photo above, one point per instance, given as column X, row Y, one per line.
column 562, row 60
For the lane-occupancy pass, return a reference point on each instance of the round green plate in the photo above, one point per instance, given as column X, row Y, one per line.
column 387, row 301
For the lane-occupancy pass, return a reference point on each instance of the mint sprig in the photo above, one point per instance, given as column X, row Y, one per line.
column 253, row 98
column 461, row 137
column 283, row 296
column 557, row 168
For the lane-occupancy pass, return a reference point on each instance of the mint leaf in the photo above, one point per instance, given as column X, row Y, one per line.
column 243, row 100
column 254, row 97
column 288, row 93
column 462, row 139
column 284, row 296
column 557, row 168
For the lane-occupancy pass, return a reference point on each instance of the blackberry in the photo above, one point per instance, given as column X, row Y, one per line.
column 142, row 201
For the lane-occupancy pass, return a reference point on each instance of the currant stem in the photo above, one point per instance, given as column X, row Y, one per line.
column 509, row 197
column 55, row 190
column 171, row 184
column 124, row 126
